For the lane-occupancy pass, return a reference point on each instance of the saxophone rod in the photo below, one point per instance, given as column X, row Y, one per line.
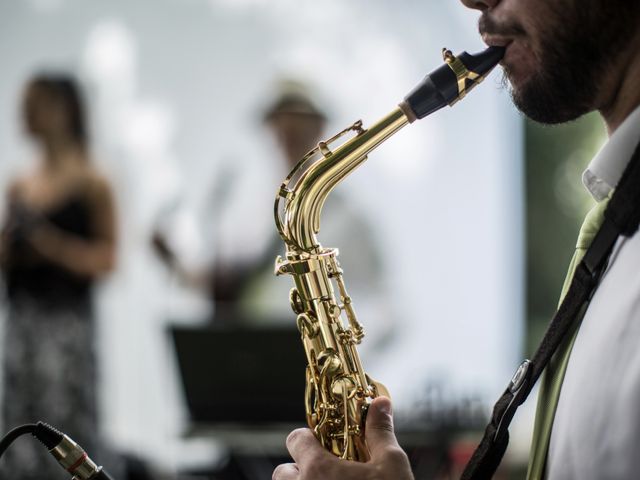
column 444, row 86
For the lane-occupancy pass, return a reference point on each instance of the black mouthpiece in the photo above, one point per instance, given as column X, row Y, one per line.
column 445, row 85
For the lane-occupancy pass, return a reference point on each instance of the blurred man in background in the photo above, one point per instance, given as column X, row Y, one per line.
column 244, row 288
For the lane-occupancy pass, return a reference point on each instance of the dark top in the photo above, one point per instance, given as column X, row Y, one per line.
column 27, row 274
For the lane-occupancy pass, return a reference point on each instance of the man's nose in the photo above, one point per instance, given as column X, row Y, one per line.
column 480, row 4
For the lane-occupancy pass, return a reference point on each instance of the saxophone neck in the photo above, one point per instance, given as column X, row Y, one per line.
column 303, row 193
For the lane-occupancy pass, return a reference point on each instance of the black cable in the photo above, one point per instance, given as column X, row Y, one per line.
column 68, row 453
column 10, row 437
column 48, row 436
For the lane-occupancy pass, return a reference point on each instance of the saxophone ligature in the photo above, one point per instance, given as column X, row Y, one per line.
column 338, row 391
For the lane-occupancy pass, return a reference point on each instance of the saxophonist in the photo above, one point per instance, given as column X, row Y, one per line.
column 563, row 59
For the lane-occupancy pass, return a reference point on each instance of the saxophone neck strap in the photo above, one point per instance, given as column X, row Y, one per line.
column 621, row 217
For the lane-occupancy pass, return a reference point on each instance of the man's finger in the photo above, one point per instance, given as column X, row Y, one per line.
column 286, row 471
column 379, row 427
column 304, row 446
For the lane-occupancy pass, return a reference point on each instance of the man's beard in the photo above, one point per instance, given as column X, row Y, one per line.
column 580, row 45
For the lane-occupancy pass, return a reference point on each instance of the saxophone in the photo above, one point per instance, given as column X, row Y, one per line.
column 338, row 391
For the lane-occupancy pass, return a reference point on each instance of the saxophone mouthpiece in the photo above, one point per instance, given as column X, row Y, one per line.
column 450, row 82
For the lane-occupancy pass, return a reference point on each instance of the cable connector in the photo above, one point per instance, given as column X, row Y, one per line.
column 74, row 459
column 68, row 453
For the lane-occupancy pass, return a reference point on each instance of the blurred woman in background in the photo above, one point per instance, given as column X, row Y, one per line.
column 58, row 238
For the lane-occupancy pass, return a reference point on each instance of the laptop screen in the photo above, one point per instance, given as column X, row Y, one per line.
column 245, row 376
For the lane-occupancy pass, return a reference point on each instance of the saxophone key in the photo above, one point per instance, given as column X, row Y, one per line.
column 296, row 302
column 343, row 387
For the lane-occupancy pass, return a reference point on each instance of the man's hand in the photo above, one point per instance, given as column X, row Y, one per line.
column 388, row 460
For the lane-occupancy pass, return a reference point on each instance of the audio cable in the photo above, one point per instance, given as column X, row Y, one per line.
column 68, row 453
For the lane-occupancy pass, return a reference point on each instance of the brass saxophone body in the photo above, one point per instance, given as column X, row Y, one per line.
column 338, row 390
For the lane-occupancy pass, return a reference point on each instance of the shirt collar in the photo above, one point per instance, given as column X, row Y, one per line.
column 606, row 168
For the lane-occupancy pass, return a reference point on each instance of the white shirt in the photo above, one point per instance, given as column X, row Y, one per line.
column 596, row 431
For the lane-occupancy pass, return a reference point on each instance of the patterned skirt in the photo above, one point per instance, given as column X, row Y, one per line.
column 49, row 375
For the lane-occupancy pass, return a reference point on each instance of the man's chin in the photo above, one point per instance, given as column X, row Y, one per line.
column 543, row 107
column 517, row 80
column 532, row 101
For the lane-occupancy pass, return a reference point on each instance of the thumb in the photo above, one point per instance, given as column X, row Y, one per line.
column 379, row 426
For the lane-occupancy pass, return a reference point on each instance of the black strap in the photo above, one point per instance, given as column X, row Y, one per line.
column 621, row 218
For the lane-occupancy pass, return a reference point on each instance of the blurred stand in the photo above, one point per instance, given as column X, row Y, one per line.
column 58, row 238
column 249, row 407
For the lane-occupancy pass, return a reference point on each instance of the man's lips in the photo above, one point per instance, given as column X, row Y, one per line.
column 493, row 40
